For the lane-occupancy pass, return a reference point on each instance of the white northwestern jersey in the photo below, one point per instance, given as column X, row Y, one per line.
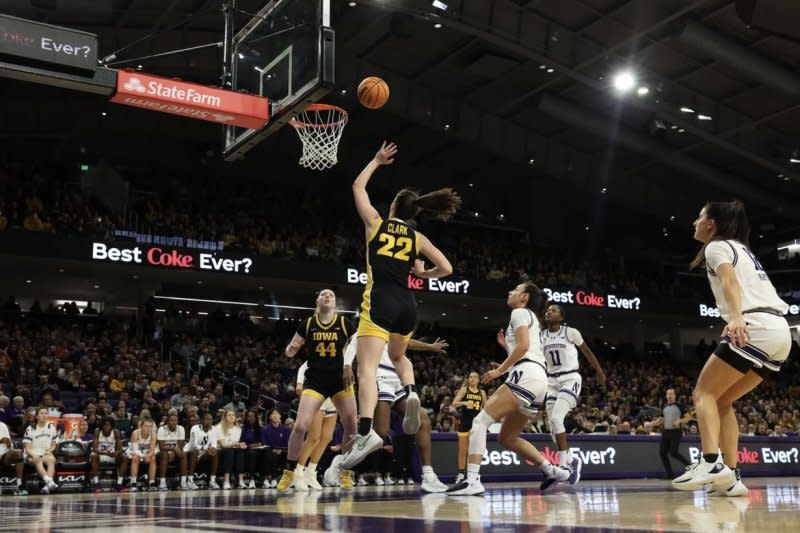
column 170, row 438
column 41, row 438
column 561, row 349
column 301, row 373
column 106, row 444
column 4, row 434
column 386, row 361
column 525, row 317
column 143, row 444
column 201, row 439
column 757, row 291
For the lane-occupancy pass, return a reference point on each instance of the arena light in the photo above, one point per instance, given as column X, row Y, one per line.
column 624, row 81
column 437, row 25
column 704, row 117
column 642, row 91
column 439, row 5
column 687, row 110
column 794, row 160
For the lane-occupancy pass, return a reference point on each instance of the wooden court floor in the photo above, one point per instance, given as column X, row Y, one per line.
column 634, row 505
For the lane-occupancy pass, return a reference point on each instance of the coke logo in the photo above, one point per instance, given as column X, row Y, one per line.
column 590, row 299
column 156, row 256
column 415, row 283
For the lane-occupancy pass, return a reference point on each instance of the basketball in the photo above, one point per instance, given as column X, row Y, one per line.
column 373, row 92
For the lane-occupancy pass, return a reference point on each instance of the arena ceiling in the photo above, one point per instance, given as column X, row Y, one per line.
column 497, row 91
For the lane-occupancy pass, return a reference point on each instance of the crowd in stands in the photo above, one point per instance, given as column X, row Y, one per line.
column 289, row 222
column 95, row 367
column 35, row 201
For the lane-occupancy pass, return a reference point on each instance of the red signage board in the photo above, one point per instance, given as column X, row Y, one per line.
column 190, row 100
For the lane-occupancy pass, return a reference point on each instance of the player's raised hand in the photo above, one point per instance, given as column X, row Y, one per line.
column 440, row 345
column 385, row 156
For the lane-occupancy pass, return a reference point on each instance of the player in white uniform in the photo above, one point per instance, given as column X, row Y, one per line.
column 392, row 395
column 560, row 346
column 756, row 341
column 519, row 397
column 142, row 448
column 9, row 456
column 202, row 446
column 319, row 434
column 107, row 450
column 171, row 439
column 40, row 444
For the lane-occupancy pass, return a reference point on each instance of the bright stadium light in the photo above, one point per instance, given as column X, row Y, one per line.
column 439, row 5
column 624, row 81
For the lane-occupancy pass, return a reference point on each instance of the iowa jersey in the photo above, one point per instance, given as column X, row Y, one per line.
column 391, row 252
column 473, row 403
column 326, row 342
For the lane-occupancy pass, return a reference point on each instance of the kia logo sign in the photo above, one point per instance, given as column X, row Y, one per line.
column 354, row 277
column 170, row 258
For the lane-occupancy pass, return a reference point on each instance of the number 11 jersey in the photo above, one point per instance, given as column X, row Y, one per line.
column 560, row 349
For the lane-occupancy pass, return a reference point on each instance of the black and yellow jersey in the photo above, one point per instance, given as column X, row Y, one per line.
column 391, row 251
column 473, row 403
column 326, row 342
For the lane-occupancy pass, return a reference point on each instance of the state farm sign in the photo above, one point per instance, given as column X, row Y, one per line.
column 170, row 257
column 191, row 100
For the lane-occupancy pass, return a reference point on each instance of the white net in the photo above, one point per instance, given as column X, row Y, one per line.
column 320, row 127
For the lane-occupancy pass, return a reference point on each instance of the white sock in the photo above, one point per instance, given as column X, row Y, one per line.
column 184, row 479
column 564, row 458
column 546, row 467
column 163, row 482
column 473, row 472
column 19, row 482
column 120, row 480
column 95, row 479
column 47, row 479
column 312, row 467
column 299, row 469
column 427, row 471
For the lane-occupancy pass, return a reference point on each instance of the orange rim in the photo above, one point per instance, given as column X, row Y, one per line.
column 319, row 108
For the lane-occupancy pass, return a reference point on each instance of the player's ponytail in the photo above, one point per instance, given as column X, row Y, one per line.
column 731, row 223
column 537, row 300
column 441, row 204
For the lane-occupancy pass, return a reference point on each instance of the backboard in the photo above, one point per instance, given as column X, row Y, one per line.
column 286, row 53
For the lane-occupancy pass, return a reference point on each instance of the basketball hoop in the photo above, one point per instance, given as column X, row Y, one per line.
column 320, row 127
